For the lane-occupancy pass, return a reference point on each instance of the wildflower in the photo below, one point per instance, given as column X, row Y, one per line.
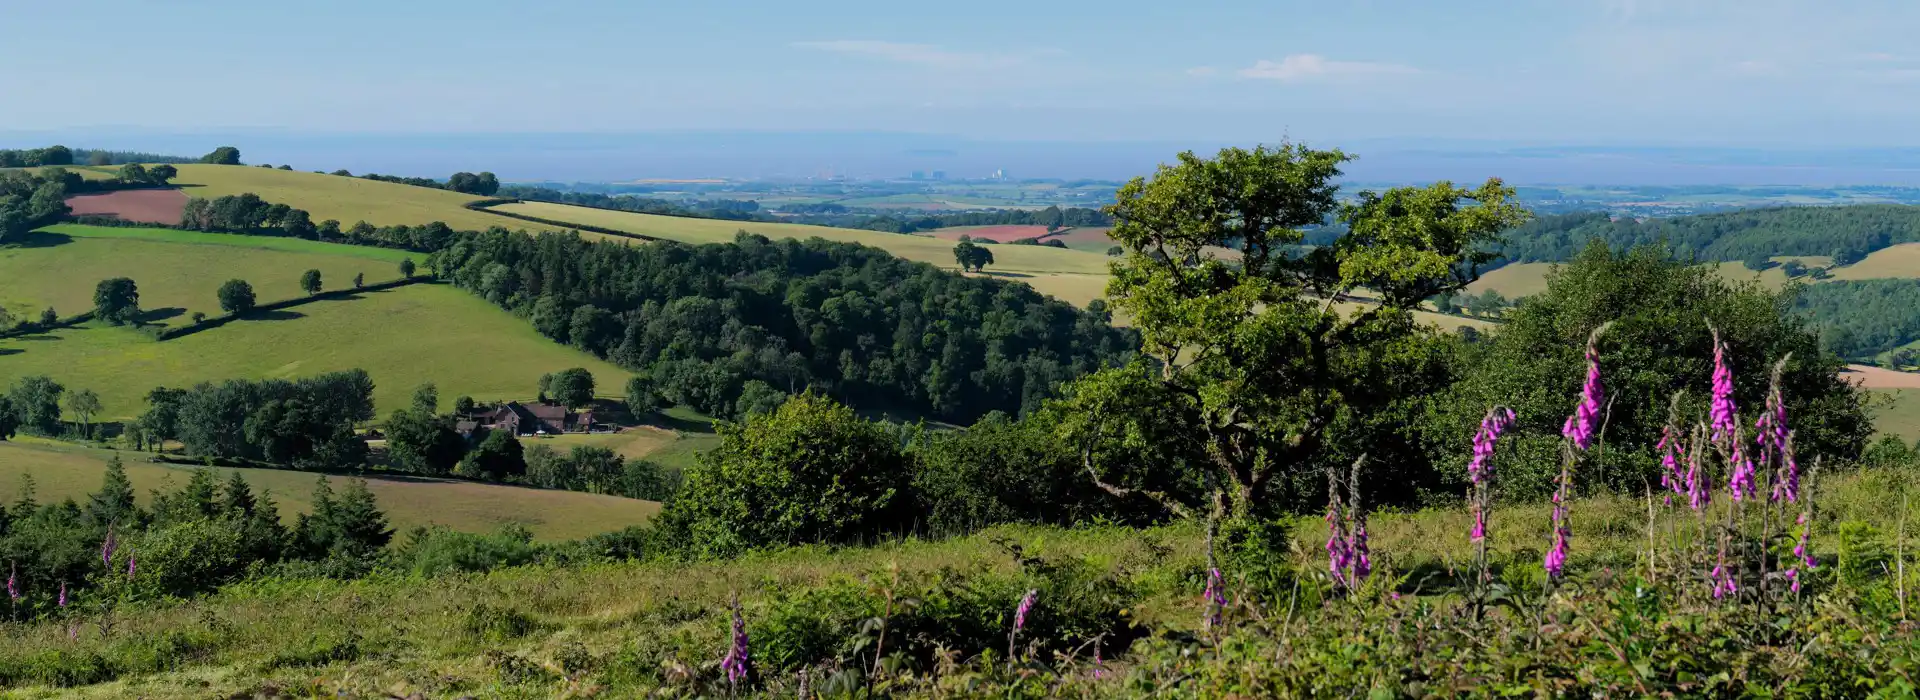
column 1485, row 440
column 63, row 594
column 1721, row 414
column 106, row 549
column 1026, row 605
column 1337, row 554
column 1099, row 665
column 13, row 583
column 1722, row 577
column 1556, row 562
column 1479, row 531
column 1580, row 426
column 129, row 564
column 1740, row 480
column 1697, row 494
column 1803, row 549
column 1669, row 448
column 739, row 661
column 1362, row 564
column 1793, row 580
column 1215, row 596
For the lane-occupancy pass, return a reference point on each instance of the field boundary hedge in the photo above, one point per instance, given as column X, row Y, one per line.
column 223, row 319
column 30, row 328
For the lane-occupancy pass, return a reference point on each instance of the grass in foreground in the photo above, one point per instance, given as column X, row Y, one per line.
column 624, row 629
column 178, row 272
column 402, row 337
column 62, row 471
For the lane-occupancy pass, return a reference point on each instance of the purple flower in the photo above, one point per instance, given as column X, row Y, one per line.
column 1697, row 495
column 1215, row 596
column 13, row 583
column 1026, row 605
column 739, row 661
column 1362, row 564
column 129, row 564
column 1556, row 561
column 1723, row 583
column 1586, row 416
column 63, row 594
column 1803, row 549
column 1740, row 481
column 106, row 549
column 1669, row 448
column 1721, row 415
column 1485, row 440
column 1793, row 580
column 1099, row 665
column 1337, row 553
column 1479, row 531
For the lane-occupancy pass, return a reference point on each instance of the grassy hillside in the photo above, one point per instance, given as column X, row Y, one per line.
column 403, row 337
column 347, row 199
column 921, row 248
column 63, row 471
column 625, row 628
column 178, row 272
column 1900, row 261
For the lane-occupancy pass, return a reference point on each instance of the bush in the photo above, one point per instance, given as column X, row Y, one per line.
column 1005, row 471
column 809, row 472
column 183, row 559
column 431, row 551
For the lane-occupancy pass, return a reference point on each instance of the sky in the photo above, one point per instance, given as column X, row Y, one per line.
column 1752, row 73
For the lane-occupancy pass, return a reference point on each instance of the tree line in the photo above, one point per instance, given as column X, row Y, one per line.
column 483, row 183
column 1862, row 318
column 826, row 214
column 1847, row 233
column 702, row 322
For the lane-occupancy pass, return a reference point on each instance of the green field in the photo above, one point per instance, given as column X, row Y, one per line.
column 64, row 471
column 346, row 199
column 1900, row 414
column 403, row 337
column 921, row 248
column 177, row 272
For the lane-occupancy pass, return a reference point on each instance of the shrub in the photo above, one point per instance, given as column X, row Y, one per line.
column 183, row 559
column 811, row 471
column 431, row 551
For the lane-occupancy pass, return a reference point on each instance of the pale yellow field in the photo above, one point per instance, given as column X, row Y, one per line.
column 1007, row 258
column 1514, row 281
column 1900, row 261
column 345, row 199
column 62, row 471
column 636, row 442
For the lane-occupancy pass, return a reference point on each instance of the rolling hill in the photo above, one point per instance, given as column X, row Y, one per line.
column 63, row 471
column 346, row 199
column 403, row 337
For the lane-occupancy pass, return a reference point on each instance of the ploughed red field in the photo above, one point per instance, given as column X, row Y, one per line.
column 146, row 206
column 998, row 234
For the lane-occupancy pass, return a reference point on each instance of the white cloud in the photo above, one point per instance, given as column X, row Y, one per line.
column 922, row 54
column 1307, row 66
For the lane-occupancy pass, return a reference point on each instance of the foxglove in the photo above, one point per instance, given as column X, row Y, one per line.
column 739, row 661
column 1720, row 415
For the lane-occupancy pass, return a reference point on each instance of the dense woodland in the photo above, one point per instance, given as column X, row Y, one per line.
column 1846, row 233
column 1863, row 318
column 701, row 322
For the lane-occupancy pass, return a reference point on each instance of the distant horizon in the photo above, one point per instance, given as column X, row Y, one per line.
column 616, row 156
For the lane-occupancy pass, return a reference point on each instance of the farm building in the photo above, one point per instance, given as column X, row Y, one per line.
column 531, row 419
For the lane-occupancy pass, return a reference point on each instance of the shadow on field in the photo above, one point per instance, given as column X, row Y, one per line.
column 161, row 314
column 275, row 315
column 1008, row 274
column 10, row 351
column 43, row 239
column 661, row 420
column 37, row 336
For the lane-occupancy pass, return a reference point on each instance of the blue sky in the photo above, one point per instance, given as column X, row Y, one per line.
column 1776, row 73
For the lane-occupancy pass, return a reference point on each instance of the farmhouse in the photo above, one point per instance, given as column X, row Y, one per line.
column 532, row 419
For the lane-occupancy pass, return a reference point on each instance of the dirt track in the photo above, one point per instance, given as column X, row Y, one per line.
column 148, row 206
